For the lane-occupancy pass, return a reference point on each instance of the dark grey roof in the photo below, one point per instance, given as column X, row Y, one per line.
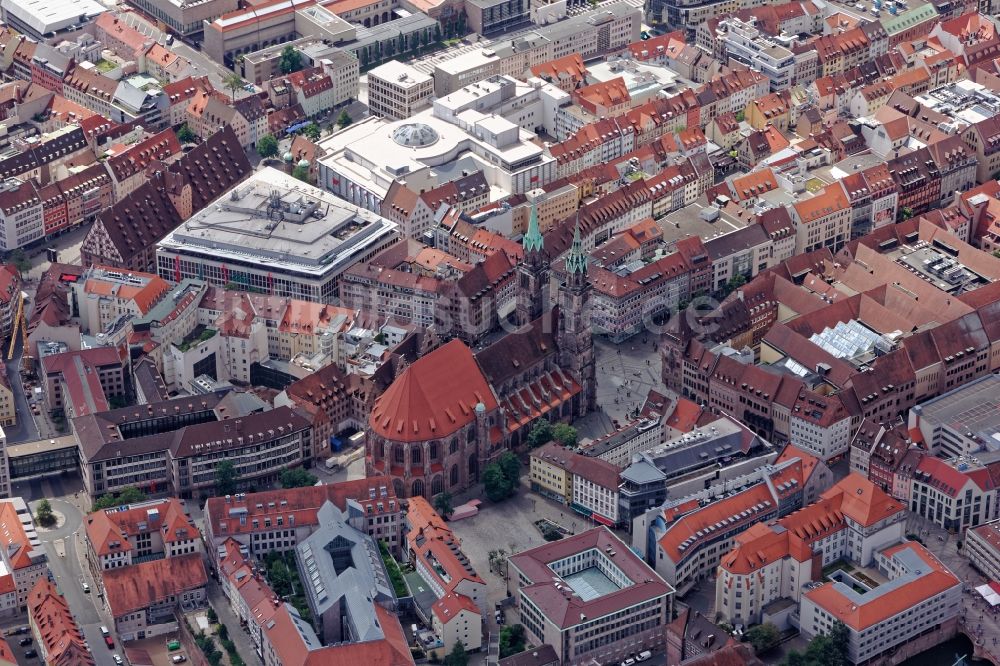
column 741, row 239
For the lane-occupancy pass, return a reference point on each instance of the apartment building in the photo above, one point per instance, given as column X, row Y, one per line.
column 144, row 599
column 590, row 597
column 83, row 382
column 21, row 214
column 278, row 520
column 397, row 91
column 22, row 557
column 686, row 538
column 586, row 484
column 436, row 554
column 104, row 295
column 619, row 446
column 823, row 220
column 956, row 494
column 922, row 598
column 853, row 520
column 982, row 547
column 175, row 446
column 58, row 638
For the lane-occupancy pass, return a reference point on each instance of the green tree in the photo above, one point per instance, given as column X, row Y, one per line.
column 565, row 434
column 996, row 253
column 20, row 261
column 127, row 495
column 442, row 504
column 312, row 131
column 302, row 173
column 185, row 135
column 213, row 617
column 290, row 60
column 457, row 656
column 437, row 32
column 498, row 487
column 344, row 119
column 740, row 116
column 234, row 82
column 511, row 468
column 905, row 213
column 540, row 434
column 297, row 478
column 44, row 515
column 267, row 146
column 763, row 637
column 225, row 477
column 511, row 640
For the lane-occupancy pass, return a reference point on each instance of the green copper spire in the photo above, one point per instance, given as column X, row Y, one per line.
column 533, row 238
column 576, row 262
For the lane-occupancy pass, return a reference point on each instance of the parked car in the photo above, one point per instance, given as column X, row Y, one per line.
column 104, row 631
column 178, row 659
column 110, row 642
column 30, row 654
column 629, row 662
column 643, row 656
column 24, row 641
column 118, row 659
column 86, row 587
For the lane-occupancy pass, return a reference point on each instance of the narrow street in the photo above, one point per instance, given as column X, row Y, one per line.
column 237, row 633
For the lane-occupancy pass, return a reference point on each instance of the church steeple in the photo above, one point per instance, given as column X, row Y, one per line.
column 576, row 262
column 532, row 241
column 576, row 336
column 533, row 274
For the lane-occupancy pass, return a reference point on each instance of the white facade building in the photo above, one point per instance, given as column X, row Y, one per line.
column 397, row 91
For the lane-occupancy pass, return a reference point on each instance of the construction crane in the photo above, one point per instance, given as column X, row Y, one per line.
column 19, row 327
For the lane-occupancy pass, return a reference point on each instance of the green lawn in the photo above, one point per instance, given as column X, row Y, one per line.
column 103, row 66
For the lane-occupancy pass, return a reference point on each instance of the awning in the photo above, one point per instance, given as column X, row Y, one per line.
column 988, row 593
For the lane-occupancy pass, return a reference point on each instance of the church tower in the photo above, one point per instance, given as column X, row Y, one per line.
column 576, row 339
column 532, row 275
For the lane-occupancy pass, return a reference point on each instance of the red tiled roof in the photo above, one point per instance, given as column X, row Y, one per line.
column 448, row 607
column 137, row 587
column 108, row 531
column 434, row 397
column 563, row 608
column 57, row 629
column 909, row 595
column 433, row 543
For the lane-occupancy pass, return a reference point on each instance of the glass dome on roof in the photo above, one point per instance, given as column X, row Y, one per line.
column 415, row 135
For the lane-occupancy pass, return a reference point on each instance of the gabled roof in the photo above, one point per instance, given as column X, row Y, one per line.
column 56, row 626
column 139, row 586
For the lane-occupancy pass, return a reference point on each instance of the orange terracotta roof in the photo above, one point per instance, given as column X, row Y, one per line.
column 7, row 657
column 448, row 607
column 109, row 531
column 137, row 587
column 433, row 542
column 13, row 537
column 882, row 607
column 434, row 397
column 56, row 627
column 685, row 415
column 754, row 184
column 568, row 67
column 863, row 501
column 699, row 521
column 831, row 200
